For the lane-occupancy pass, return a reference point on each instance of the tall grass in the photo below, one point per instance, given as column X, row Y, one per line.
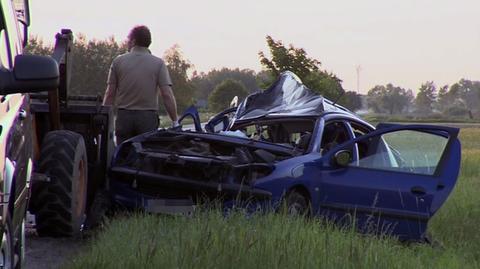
column 210, row 240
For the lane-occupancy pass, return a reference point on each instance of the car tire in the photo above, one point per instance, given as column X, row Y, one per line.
column 297, row 204
column 60, row 203
column 7, row 257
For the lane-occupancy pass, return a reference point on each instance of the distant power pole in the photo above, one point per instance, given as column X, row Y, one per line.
column 359, row 68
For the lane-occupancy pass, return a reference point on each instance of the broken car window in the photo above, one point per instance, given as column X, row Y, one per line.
column 292, row 133
column 359, row 130
column 407, row 151
column 334, row 133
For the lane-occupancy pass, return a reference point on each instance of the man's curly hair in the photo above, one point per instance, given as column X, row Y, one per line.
column 141, row 35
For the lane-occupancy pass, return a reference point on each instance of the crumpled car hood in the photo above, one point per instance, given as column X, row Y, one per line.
column 286, row 97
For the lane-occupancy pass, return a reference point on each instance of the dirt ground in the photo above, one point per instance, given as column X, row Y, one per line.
column 43, row 253
column 46, row 253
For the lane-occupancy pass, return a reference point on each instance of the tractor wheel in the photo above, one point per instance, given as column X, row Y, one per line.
column 60, row 204
column 297, row 204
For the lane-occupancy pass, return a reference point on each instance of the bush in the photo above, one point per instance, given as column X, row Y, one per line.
column 457, row 111
column 223, row 94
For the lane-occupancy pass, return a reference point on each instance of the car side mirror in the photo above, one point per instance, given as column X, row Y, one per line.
column 31, row 73
column 342, row 158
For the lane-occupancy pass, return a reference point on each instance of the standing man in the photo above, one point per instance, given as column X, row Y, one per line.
column 133, row 84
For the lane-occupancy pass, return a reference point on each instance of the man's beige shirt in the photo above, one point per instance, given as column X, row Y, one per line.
column 136, row 77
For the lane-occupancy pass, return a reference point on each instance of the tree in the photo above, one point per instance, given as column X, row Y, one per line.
column 264, row 79
column 91, row 61
column 461, row 99
column 426, row 98
column 306, row 68
column 325, row 84
column 443, row 98
column 178, row 68
column 389, row 99
column 205, row 82
column 36, row 46
column 291, row 58
column 351, row 100
column 223, row 94
column 469, row 94
column 450, row 101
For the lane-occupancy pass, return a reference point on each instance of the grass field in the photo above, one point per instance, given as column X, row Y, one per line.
column 210, row 240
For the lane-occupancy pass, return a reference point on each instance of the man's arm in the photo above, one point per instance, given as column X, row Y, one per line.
column 109, row 97
column 169, row 102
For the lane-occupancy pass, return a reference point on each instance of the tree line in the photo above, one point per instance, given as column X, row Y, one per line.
column 213, row 90
column 461, row 99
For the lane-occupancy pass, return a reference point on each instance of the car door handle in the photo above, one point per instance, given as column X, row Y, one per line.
column 417, row 190
column 440, row 187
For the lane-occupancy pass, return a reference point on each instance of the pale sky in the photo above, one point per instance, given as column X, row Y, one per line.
column 405, row 42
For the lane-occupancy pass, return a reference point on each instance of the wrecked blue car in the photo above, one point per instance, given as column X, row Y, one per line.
column 287, row 145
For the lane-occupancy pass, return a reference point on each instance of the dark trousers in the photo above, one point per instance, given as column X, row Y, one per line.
column 130, row 123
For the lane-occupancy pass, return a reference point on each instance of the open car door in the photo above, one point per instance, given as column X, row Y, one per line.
column 392, row 180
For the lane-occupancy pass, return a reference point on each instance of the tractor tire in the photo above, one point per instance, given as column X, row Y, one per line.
column 60, row 204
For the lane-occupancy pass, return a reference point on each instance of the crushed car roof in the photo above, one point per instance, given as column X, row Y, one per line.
column 286, row 97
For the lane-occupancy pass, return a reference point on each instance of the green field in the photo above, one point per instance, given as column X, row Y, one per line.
column 209, row 240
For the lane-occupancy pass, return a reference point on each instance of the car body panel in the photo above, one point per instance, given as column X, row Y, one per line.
column 405, row 201
column 16, row 145
column 16, row 151
column 384, row 206
column 287, row 96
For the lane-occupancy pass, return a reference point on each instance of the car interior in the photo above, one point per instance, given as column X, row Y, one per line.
column 334, row 133
column 295, row 133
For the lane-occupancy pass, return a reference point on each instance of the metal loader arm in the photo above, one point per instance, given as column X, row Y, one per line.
column 59, row 97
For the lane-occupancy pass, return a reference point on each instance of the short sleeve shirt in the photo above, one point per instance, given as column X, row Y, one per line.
column 136, row 77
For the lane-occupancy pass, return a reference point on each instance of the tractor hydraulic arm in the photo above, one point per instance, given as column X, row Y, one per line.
column 59, row 97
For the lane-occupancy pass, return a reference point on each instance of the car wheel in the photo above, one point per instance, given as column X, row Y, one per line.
column 59, row 205
column 297, row 204
column 6, row 249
